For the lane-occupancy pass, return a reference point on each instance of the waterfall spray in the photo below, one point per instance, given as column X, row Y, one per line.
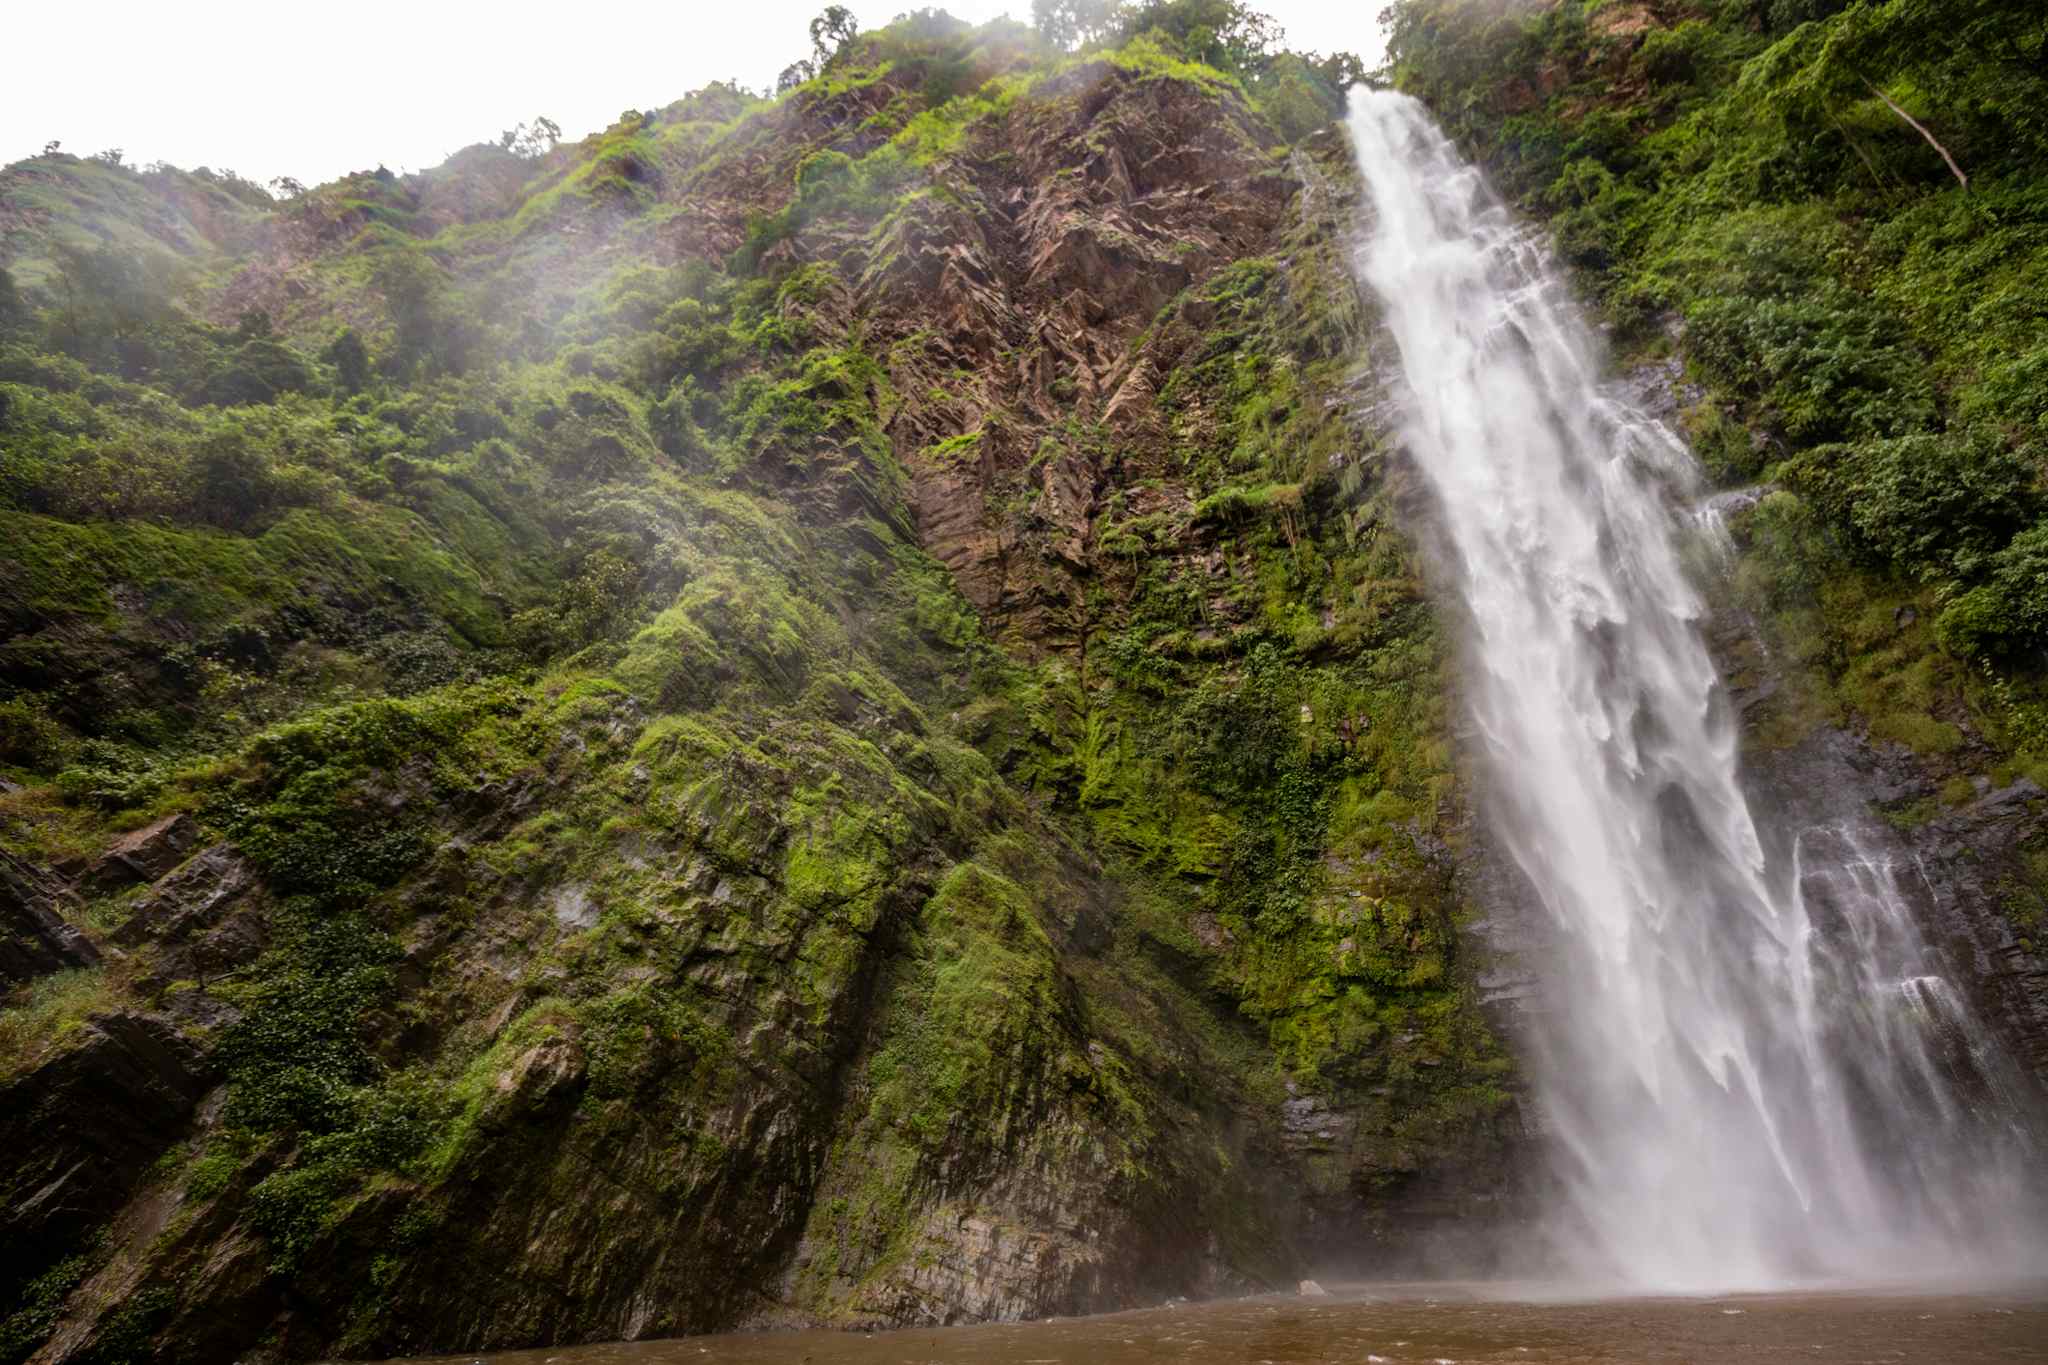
column 1750, row 1068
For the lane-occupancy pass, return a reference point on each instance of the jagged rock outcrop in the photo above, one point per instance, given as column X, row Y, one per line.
column 142, row 856
column 83, row 1128
column 35, row 936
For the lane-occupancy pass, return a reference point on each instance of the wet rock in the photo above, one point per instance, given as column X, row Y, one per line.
column 205, row 918
column 142, row 856
column 1968, row 863
column 82, row 1130
column 35, row 938
column 572, row 906
column 541, row 1080
column 1309, row 1122
column 1973, row 866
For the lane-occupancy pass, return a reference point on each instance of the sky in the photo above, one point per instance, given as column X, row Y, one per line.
column 314, row 91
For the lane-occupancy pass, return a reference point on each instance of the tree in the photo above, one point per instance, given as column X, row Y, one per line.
column 1226, row 34
column 350, row 360
column 233, row 485
column 257, row 370
column 110, row 305
column 1979, row 67
column 426, row 326
column 286, row 187
column 530, row 141
column 1070, row 24
column 1295, row 98
column 795, row 74
column 12, row 309
column 831, row 31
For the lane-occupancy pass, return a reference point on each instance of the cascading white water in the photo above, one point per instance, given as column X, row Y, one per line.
column 1746, row 1075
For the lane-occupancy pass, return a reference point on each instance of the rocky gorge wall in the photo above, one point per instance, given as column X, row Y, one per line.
column 883, row 762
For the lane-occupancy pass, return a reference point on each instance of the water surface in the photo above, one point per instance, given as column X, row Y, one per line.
column 1412, row 1325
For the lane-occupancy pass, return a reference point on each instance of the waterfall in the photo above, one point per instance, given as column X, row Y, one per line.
column 1747, row 1063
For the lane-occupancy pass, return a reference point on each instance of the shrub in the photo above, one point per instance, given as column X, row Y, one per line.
column 256, row 371
column 2019, row 574
column 233, row 484
column 29, row 738
column 2007, row 614
column 1927, row 503
column 1824, row 364
column 350, row 360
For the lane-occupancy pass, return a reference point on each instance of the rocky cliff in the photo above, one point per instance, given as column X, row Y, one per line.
column 803, row 711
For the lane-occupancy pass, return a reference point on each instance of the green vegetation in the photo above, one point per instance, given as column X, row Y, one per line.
column 529, row 600
column 50, row 1011
column 1297, row 92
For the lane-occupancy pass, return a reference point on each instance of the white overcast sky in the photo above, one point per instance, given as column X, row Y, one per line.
column 317, row 90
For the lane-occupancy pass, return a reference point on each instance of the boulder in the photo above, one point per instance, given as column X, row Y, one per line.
column 142, row 856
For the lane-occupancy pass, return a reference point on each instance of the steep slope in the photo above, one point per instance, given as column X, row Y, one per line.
column 809, row 710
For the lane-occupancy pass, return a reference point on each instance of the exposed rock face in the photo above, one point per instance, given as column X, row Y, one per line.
column 1979, row 885
column 785, row 977
column 203, row 919
column 82, row 1130
column 143, row 856
column 35, row 938
column 1103, row 203
column 1964, row 868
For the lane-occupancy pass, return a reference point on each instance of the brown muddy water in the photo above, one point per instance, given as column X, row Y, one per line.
column 1412, row 1325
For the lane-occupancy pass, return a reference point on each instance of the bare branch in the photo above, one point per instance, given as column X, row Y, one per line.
column 1921, row 129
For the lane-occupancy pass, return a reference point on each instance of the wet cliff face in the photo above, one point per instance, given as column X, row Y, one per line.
column 1961, row 832
column 846, row 731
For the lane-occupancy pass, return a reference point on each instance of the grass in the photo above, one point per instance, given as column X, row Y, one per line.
column 51, row 1012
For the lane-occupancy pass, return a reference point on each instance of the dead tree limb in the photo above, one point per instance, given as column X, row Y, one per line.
column 1921, row 129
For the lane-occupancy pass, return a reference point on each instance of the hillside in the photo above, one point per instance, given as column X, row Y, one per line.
column 803, row 710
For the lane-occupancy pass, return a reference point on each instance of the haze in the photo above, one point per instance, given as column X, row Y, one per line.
column 315, row 92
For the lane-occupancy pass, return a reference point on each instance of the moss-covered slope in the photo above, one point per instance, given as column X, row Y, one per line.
column 806, row 710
